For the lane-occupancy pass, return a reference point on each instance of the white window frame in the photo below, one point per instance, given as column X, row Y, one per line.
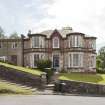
column 93, row 44
column 35, row 42
column 41, row 56
column 55, row 38
column 71, row 59
column 92, row 61
column 14, row 45
column 38, row 42
column 76, row 41
column 3, row 58
column 38, row 57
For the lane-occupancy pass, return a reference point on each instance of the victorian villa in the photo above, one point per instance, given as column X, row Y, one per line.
column 68, row 50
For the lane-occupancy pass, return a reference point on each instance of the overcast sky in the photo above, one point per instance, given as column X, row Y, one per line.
column 86, row 16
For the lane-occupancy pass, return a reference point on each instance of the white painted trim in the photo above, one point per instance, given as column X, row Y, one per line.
column 80, row 57
column 54, row 42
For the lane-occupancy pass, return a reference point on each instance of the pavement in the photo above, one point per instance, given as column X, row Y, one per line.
column 50, row 100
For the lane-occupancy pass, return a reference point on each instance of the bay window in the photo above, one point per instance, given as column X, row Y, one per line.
column 93, row 44
column 92, row 61
column 35, row 41
column 36, row 58
column 38, row 42
column 76, row 60
column 75, row 41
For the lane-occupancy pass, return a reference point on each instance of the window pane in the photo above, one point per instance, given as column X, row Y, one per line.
column 75, row 60
column 55, row 42
column 70, row 61
column 36, row 58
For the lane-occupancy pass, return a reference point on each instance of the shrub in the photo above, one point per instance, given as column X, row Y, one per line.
column 63, row 71
column 42, row 64
column 45, row 66
column 100, row 70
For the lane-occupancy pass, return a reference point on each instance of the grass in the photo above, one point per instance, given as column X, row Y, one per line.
column 91, row 78
column 7, row 88
column 23, row 69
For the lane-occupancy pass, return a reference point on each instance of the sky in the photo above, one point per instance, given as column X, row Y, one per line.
column 86, row 16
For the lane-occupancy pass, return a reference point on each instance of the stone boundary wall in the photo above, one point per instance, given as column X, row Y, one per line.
column 76, row 87
column 21, row 77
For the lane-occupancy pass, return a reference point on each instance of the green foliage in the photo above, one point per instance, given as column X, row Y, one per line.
column 14, row 35
column 2, row 36
column 63, row 71
column 45, row 66
column 42, row 64
column 100, row 70
column 8, row 88
column 100, row 61
column 91, row 78
column 22, row 69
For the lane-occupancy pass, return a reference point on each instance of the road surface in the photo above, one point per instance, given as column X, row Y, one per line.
column 51, row 100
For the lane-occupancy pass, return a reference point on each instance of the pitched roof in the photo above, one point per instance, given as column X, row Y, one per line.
column 64, row 31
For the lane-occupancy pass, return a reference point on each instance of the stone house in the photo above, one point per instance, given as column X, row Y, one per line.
column 68, row 50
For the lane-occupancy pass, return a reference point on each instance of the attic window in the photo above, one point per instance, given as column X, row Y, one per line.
column 55, row 42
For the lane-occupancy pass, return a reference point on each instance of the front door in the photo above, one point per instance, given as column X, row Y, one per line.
column 55, row 61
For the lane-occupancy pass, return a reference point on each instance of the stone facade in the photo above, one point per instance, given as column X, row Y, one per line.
column 68, row 50
column 76, row 87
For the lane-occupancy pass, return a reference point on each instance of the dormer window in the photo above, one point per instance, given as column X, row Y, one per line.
column 55, row 42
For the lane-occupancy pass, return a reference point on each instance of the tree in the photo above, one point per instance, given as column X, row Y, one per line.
column 14, row 35
column 100, row 60
column 2, row 36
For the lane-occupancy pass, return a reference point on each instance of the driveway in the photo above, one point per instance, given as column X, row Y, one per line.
column 51, row 100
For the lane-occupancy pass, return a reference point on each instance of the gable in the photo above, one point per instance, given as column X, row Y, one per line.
column 56, row 33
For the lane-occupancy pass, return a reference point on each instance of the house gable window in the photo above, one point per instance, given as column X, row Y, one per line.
column 55, row 42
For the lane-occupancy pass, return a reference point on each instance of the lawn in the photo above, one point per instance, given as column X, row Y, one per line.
column 7, row 88
column 23, row 69
column 91, row 78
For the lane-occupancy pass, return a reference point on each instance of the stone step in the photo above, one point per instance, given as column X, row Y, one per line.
column 49, row 87
column 23, row 86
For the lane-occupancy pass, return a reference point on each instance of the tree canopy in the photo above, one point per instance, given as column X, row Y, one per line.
column 101, row 59
column 2, row 36
column 14, row 35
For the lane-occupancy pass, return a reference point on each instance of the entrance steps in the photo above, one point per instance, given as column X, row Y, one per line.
column 20, row 85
